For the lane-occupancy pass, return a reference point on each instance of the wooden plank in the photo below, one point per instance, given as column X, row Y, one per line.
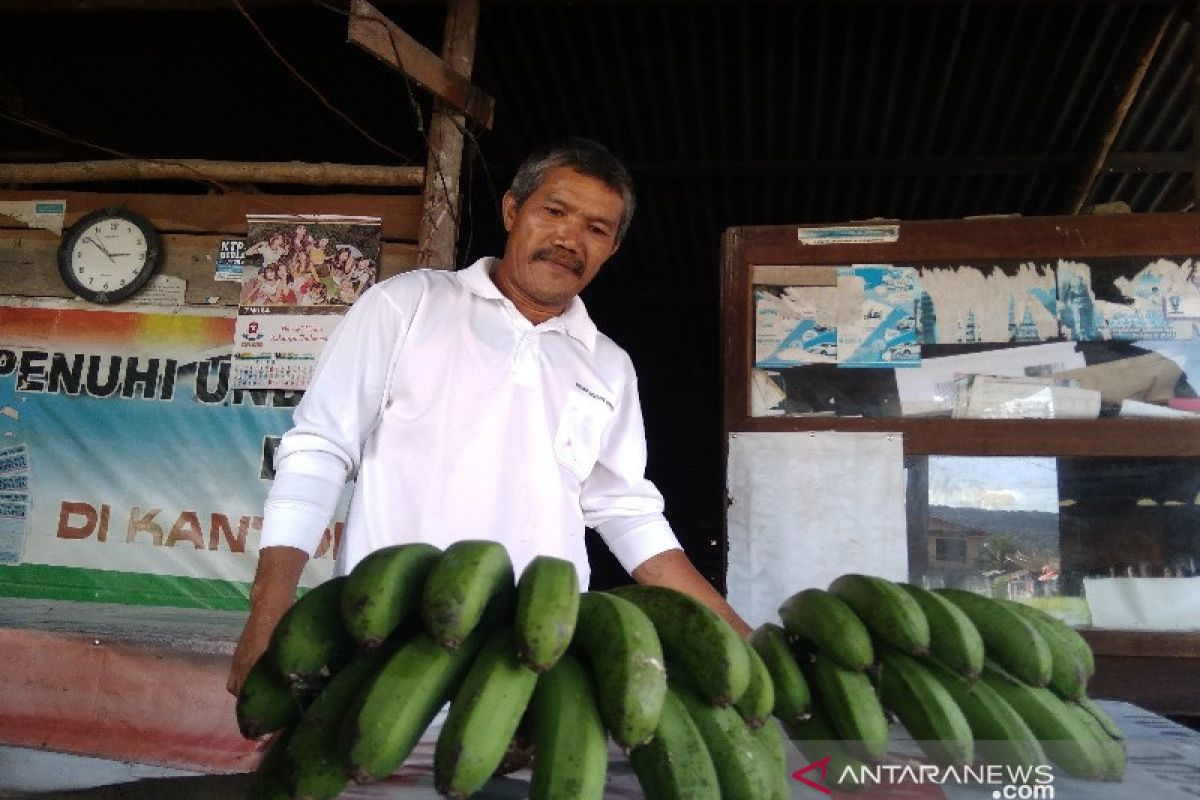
column 226, row 213
column 382, row 38
column 437, row 239
column 1002, row 238
column 1163, row 685
column 1146, row 644
column 28, row 260
column 192, row 169
column 1108, row 438
column 1090, row 166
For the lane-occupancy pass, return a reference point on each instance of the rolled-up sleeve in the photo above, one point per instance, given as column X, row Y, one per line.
column 618, row 501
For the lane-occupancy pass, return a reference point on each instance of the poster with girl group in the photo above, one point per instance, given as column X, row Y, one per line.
column 300, row 274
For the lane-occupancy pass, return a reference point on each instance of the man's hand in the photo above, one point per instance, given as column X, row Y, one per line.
column 674, row 570
column 272, row 594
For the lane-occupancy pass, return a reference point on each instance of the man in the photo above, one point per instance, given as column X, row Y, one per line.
column 480, row 404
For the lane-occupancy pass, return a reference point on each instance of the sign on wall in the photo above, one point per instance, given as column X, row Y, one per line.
column 131, row 470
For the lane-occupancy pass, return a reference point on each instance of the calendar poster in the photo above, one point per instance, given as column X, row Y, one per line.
column 131, row 470
column 300, row 274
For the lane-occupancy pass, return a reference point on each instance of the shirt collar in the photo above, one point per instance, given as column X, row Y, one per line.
column 574, row 319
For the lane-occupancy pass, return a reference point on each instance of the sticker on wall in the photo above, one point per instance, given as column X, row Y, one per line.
column 876, row 319
column 849, row 234
column 230, row 258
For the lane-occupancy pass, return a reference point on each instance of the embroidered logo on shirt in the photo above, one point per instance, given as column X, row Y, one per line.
column 594, row 396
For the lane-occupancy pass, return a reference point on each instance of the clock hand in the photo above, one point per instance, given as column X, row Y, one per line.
column 102, row 248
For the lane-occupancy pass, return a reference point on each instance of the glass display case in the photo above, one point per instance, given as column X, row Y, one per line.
column 1043, row 375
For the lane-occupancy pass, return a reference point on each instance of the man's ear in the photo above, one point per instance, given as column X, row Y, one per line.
column 508, row 211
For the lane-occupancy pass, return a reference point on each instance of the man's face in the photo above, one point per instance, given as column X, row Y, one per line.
column 557, row 241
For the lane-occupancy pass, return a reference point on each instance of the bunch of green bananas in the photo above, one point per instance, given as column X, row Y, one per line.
column 970, row 677
column 358, row 668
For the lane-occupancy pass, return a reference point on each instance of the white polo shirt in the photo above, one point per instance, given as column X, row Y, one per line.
column 463, row 420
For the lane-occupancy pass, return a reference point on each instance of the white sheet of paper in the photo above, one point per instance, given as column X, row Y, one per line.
column 1160, row 604
column 808, row 507
column 929, row 389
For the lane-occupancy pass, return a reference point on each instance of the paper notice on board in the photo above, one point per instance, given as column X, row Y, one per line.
column 1141, row 316
column 44, row 214
column 876, row 321
column 975, row 303
column 929, row 389
column 794, row 325
column 807, row 507
column 1163, row 604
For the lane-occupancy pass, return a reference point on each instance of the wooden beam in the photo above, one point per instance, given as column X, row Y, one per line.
column 382, row 38
column 209, row 171
column 226, row 213
column 437, row 238
column 1092, row 165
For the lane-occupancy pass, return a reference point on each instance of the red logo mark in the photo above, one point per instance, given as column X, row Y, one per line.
column 822, row 765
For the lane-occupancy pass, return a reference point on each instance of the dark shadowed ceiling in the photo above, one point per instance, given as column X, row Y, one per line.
column 728, row 113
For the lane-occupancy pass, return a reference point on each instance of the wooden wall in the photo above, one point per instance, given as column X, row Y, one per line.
column 191, row 228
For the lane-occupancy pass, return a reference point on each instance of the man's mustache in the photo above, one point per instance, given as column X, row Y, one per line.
column 560, row 255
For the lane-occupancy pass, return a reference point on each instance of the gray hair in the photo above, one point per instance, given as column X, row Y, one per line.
column 584, row 156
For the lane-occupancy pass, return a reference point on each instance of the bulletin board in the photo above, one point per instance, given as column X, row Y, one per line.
column 996, row 336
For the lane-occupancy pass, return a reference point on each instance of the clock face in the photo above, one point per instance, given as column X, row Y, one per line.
column 108, row 255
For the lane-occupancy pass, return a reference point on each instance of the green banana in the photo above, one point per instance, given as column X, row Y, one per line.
column 319, row 771
column 483, row 717
column 925, row 708
column 264, row 703
column 953, row 638
column 547, row 610
column 853, row 707
column 758, row 701
column 271, row 779
column 618, row 642
column 692, row 635
column 384, row 588
column 1108, row 723
column 770, row 739
column 819, row 617
column 471, row 577
column 889, row 613
column 1065, row 739
column 1070, row 636
column 1068, row 675
column 569, row 740
column 1113, row 749
column 792, row 696
column 1001, row 735
column 310, row 643
column 744, row 769
column 1007, row 638
column 817, row 740
column 399, row 702
column 675, row 764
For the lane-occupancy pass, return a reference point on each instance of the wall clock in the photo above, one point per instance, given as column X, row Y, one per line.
column 108, row 255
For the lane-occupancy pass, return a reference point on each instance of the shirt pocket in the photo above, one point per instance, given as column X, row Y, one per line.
column 580, row 431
